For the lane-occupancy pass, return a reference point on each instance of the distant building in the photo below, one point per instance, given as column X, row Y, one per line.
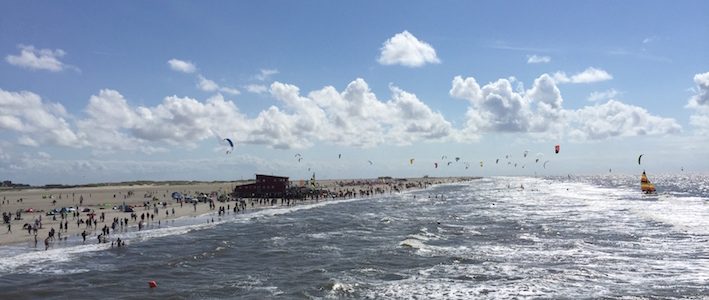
column 10, row 184
column 266, row 186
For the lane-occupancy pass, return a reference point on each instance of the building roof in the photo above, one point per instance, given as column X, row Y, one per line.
column 261, row 175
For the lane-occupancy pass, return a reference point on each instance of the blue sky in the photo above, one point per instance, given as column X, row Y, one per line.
column 111, row 92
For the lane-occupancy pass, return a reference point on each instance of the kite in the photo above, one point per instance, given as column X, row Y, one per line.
column 231, row 145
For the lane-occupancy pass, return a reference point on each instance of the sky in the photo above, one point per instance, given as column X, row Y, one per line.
column 138, row 90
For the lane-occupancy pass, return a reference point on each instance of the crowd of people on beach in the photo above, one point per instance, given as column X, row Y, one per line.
column 91, row 221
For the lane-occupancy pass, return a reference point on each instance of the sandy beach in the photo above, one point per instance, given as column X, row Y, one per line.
column 34, row 203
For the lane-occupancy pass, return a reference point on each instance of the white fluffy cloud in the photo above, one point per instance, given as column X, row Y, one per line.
column 587, row 76
column 406, row 50
column 494, row 107
column 699, row 102
column 109, row 116
column 353, row 117
column 701, row 97
column 113, row 124
column 34, row 120
column 497, row 107
column 181, row 66
column 535, row 59
column 38, row 59
column 614, row 119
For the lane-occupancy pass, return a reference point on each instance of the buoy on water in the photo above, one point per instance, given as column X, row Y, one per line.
column 152, row 284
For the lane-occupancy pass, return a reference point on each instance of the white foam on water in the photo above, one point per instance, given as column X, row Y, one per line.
column 144, row 235
column 253, row 284
column 463, row 229
column 36, row 261
column 318, row 235
column 340, row 289
column 418, row 237
column 412, row 243
column 686, row 214
column 41, row 261
column 555, row 265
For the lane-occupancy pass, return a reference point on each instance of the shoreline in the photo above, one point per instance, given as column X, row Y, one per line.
column 156, row 206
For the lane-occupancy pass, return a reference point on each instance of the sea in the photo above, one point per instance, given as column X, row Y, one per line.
column 565, row 237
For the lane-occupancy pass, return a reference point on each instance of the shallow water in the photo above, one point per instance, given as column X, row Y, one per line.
column 587, row 237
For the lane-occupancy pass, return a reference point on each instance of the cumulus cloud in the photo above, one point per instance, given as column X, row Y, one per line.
column 497, row 107
column 352, row 117
column 181, row 66
column 34, row 120
column 355, row 117
column 414, row 119
column 589, row 75
column 535, row 59
column 113, row 123
column 699, row 102
column 701, row 96
column 614, row 119
column 38, row 59
column 406, row 50
column 601, row 96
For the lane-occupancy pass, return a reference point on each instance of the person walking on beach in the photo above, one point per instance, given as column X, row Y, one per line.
column 9, row 227
column 83, row 235
column 46, row 244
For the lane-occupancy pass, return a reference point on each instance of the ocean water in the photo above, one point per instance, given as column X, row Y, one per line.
column 566, row 237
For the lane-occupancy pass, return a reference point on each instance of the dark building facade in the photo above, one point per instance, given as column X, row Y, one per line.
column 266, row 186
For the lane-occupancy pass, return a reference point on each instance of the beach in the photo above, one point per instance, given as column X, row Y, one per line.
column 153, row 202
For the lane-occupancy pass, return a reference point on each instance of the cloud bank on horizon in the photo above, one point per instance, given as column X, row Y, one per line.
column 352, row 117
